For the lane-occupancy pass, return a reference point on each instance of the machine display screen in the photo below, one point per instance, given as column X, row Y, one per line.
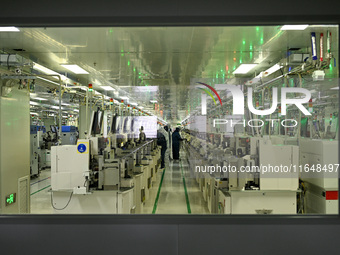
column 132, row 124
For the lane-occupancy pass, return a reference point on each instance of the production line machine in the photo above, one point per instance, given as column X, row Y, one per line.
column 236, row 192
column 109, row 175
column 290, row 188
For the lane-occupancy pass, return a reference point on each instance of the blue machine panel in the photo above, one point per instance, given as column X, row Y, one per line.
column 67, row 129
column 34, row 129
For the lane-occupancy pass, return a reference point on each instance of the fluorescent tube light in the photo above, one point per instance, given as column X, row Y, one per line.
column 9, row 29
column 124, row 98
column 33, row 103
column 48, row 71
column 107, row 88
column 294, row 27
column 43, row 69
column 48, row 80
column 272, row 69
column 134, row 104
column 83, row 88
column 75, row 69
column 153, row 101
column 244, row 68
column 335, row 88
column 39, row 98
column 33, row 113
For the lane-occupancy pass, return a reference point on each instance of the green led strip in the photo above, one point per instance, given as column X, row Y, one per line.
column 186, row 192
column 159, row 191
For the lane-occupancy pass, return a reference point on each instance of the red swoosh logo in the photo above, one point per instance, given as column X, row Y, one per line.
column 213, row 90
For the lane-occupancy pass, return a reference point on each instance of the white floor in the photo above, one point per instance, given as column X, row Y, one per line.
column 171, row 199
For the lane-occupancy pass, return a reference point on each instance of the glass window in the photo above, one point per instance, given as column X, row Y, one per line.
column 169, row 120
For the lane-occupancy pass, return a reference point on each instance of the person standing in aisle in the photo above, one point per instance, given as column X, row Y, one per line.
column 169, row 143
column 142, row 136
column 176, row 138
column 161, row 141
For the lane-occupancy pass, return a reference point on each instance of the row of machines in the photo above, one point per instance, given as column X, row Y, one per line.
column 296, row 185
column 41, row 142
column 103, row 174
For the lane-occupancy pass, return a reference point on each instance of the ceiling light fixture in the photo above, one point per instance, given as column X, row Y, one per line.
column 272, row 69
column 244, row 68
column 9, row 29
column 75, row 69
column 48, row 71
column 39, row 98
column 108, row 88
column 294, row 27
column 43, row 69
column 48, row 80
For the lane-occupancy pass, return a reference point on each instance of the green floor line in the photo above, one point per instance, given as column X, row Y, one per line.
column 186, row 192
column 40, row 190
column 159, row 191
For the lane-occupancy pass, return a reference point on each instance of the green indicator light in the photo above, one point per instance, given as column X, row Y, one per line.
column 139, row 76
column 121, row 50
column 257, row 29
column 217, row 76
column 123, row 55
column 128, row 63
column 244, row 42
column 251, row 47
column 134, row 69
column 261, row 40
column 251, row 55
column 240, row 61
column 111, row 30
column 139, row 73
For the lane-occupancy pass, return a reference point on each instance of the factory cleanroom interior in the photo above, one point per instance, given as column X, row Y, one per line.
column 202, row 120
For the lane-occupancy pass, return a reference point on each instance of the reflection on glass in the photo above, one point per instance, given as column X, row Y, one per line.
column 251, row 112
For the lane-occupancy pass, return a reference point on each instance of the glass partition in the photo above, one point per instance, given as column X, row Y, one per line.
column 169, row 120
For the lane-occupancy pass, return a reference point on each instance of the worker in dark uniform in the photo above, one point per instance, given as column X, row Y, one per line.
column 142, row 136
column 176, row 138
column 161, row 141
